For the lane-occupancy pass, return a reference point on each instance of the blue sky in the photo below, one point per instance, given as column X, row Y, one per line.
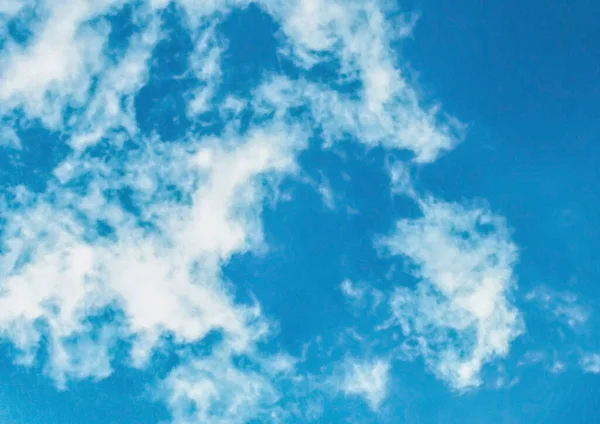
column 306, row 211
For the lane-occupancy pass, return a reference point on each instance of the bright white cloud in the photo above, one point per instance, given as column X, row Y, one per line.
column 65, row 76
column 56, row 68
column 460, row 313
column 393, row 127
column 387, row 110
column 164, row 279
column 112, row 105
column 366, row 379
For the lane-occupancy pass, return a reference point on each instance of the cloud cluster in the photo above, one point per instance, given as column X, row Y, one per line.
column 385, row 109
column 75, row 253
column 460, row 314
column 127, row 242
column 217, row 390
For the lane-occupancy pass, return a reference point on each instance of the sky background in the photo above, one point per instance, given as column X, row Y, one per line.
column 307, row 211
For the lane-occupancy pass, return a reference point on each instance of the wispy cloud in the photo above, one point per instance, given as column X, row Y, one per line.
column 460, row 314
column 353, row 291
column 9, row 138
column 563, row 306
column 368, row 379
column 552, row 363
column 216, row 390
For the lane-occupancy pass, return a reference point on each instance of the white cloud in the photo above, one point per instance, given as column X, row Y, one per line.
column 557, row 367
column 551, row 363
column 57, row 65
column 366, row 379
column 564, row 306
column 387, row 109
column 361, row 295
column 56, row 270
column 205, row 63
column 112, row 105
column 394, row 127
column 215, row 390
column 352, row 290
column 164, row 280
column 12, row 7
column 590, row 362
column 190, row 206
column 326, row 192
column 9, row 138
column 65, row 76
column 400, row 179
column 322, row 186
column 460, row 314
column 87, row 356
